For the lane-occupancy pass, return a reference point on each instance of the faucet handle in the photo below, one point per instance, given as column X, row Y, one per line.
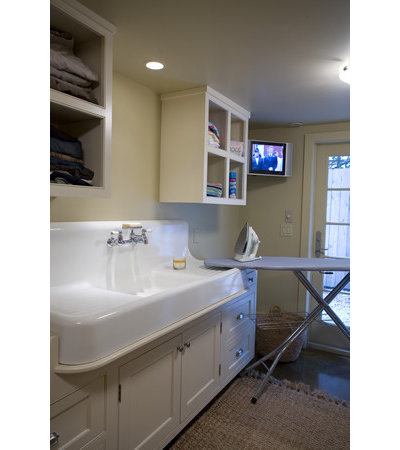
column 144, row 235
column 119, row 234
column 116, row 238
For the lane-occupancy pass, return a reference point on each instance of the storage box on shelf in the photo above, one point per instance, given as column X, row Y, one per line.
column 89, row 120
column 195, row 166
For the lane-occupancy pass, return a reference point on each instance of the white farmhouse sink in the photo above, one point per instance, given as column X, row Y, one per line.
column 103, row 299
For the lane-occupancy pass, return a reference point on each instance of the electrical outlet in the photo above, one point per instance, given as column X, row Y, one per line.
column 286, row 229
column 196, row 236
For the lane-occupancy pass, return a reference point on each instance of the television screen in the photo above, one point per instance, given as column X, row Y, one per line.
column 267, row 158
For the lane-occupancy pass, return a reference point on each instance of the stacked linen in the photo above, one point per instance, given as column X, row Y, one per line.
column 66, row 160
column 68, row 73
column 232, row 184
column 213, row 136
column 214, row 190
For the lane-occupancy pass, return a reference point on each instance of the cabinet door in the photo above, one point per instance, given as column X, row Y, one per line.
column 200, row 365
column 149, row 406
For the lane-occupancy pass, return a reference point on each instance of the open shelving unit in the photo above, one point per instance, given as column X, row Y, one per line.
column 88, row 121
column 188, row 162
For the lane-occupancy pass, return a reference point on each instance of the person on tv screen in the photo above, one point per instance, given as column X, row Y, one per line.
column 257, row 161
column 270, row 159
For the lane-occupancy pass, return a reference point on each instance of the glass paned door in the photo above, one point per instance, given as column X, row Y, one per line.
column 337, row 232
column 332, row 237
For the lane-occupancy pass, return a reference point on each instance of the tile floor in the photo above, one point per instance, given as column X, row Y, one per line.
column 321, row 370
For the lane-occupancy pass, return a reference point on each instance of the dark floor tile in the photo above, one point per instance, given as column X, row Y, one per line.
column 321, row 370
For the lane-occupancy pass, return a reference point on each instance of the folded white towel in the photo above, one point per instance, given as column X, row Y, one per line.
column 70, row 78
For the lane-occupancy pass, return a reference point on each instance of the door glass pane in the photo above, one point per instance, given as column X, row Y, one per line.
column 337, row 241
column 330, row 280
column 339, row 172
column 337, row 233
column 341, row 306
column 338, row 206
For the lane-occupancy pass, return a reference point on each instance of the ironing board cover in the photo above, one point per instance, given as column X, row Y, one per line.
column 282, row 263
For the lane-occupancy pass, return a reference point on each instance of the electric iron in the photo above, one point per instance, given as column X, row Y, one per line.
column 247, row 245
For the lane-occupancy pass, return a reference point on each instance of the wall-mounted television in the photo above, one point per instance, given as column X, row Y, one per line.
column 270, row 158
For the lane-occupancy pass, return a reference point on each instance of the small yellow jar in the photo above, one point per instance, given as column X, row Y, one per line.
column 179, row 264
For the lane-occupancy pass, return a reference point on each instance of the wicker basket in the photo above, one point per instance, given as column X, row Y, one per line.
column 273, row 328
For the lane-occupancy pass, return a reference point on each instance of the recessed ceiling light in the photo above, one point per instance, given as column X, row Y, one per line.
column 154, row 65
column 344, row 74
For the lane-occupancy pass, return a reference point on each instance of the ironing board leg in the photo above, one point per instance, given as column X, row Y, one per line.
column 269, row 373
column 310, row 288
column 305, row 324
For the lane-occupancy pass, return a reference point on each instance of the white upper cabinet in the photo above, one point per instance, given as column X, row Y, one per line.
column 203, row 148
column 80, row 100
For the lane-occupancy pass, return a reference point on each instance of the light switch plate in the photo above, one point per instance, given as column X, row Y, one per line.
column 288, row 215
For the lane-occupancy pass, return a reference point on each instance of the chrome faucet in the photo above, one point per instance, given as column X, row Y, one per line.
column 113, row 240
column 117, row 237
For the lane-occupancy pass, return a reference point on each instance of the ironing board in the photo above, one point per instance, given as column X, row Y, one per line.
column 297, row 266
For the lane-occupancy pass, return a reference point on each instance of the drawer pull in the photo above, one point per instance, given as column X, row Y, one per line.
column 53, row 439
column 239, row 353
column 240, row 316
column 187, row 344
column 180, row 348
column 251, row 279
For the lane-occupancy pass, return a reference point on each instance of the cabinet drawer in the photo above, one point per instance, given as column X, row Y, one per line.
column 238, row 353
column 80, row 417
column 236, row 316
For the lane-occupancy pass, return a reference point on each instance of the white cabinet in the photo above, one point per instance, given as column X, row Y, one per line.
column 238, row 335
column 87, row 120
column 79, row 418
column 144, row 399
column 149, row 396
column 191, row 160
column 164, row 386
column 200, row 365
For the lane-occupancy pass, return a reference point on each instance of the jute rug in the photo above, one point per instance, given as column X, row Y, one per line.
column 286, row 416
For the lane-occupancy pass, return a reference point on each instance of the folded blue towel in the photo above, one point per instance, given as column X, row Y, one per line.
column 66, row 147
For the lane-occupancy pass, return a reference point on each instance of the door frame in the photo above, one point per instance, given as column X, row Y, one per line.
column 311, row 142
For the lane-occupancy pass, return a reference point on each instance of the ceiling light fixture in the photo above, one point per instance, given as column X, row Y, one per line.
column 154, row 65
column 344, row 74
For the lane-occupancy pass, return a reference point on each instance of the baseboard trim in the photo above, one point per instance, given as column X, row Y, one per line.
column 328, row 348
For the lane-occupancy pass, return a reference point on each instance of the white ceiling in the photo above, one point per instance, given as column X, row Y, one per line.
column 277, row 58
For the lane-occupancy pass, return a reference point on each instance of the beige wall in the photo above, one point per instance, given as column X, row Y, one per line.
column 135, row 187
column 267, row 200
column 135, row 178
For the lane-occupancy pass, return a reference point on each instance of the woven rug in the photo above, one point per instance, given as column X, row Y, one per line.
column 287, row 416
